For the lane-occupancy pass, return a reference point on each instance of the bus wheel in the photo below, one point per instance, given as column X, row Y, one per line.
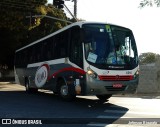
column 104, row 97
column 64, row 92
column 30, row 90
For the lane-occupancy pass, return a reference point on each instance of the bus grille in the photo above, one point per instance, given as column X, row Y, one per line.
column 116, row 78
column 110, row 88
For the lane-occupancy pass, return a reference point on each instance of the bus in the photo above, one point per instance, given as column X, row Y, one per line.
column 81, row 59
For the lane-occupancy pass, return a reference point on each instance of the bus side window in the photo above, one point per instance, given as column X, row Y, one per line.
column 38, row 52
column 60, row 44
column 64, row 42
column 57, row 46
column 32, row 53
column 46, row 50
column 76, row 52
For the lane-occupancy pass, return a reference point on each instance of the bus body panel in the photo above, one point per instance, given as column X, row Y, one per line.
column 59, row 70
column 95, row 87
column 90, row 86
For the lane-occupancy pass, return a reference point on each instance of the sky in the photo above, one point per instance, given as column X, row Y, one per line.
column 145, row 22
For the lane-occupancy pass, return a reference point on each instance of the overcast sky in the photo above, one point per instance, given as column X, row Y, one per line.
column 145, row 23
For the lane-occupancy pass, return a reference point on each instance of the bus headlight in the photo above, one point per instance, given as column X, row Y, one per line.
column 136, row 74
column 91, row 73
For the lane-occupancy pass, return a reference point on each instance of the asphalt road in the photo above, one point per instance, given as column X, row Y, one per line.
column 18, row 106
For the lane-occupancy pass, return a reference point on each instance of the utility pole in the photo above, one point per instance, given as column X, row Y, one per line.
column 60, row 4
column 75, row 8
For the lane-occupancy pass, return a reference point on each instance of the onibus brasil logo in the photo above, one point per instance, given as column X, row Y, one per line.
column 41, row 75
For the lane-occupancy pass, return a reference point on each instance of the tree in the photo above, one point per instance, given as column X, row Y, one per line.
column 148, row 57
column 18, row 27
column 13, row 12
column 13, row 25
column 149, row 3
column 46, row 25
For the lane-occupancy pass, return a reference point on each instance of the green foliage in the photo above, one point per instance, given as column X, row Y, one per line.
column 148, row 57
column 13, row 12
column 47, row 25
column 149, row 3
column 19, row 28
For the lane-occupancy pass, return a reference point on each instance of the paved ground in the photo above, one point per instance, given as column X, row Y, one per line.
column 120, row 110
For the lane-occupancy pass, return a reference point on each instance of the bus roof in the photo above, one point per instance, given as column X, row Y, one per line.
column 60, row 30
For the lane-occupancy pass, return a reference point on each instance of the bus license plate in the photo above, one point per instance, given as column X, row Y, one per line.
column 118, row 85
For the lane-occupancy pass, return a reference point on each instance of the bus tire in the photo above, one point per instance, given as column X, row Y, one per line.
column 28, row 89
column 103, row 97
column 64, row 92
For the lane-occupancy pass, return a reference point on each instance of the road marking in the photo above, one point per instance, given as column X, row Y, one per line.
column 97, row 124
column 115, row 111
column 133, row 112
column 144, row 113
column 114, row 117
column 129, row 109
column 121, row 125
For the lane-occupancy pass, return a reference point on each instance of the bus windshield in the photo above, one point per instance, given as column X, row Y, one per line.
column 109, row 46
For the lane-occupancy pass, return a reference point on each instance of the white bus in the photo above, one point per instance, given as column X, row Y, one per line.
column 84, row 58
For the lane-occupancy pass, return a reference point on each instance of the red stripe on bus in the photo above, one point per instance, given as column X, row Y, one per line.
column 68, row 69
column 47, row 66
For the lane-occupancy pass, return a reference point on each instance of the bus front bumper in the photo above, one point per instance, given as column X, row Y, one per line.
column 99, row 87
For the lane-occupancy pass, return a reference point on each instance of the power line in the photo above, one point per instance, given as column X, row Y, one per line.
column 70, row 12
column 75, row 6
